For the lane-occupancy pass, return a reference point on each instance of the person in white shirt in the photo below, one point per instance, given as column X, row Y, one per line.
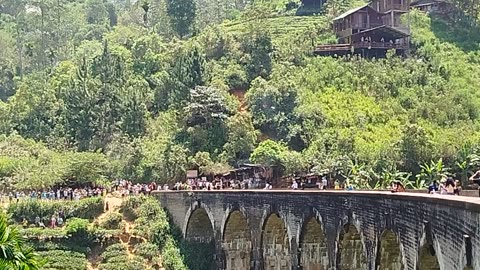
column 324, row 183
column 294, row 185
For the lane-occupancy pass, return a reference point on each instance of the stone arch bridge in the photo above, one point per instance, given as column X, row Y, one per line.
column 317, row 230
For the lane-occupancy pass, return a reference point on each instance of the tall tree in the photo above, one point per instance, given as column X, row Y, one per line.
column 182, row 15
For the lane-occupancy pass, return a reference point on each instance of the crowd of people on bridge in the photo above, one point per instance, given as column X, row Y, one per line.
column 447, row 186
column 126, row 188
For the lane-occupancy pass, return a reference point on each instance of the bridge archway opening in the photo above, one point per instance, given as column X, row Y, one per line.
column 275, row 244
column 199, row 227
column 313, row 246
column 389, row 254
column 237, row 242
column 427, row 259
column 199, row 244
column 350, row 252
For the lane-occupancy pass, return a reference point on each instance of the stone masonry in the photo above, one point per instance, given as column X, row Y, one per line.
column 320, row 230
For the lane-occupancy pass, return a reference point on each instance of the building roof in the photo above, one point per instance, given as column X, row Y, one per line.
column 349, row 12
column 387, row 31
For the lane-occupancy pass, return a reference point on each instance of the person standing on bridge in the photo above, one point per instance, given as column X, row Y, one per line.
column 433, row 187
column 294, row 185
column 324, row 183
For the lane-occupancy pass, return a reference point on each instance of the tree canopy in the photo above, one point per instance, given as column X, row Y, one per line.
column 94, row 90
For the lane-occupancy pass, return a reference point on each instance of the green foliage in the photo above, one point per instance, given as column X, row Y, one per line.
column 241, row 137
column 60, row 259
column 172, row 257
column 147, row 250
column 92, row 90
column 272, row 107
column 15, row 254
column 115, row 250
column 25, row 164
column 77, row 226
column 258, row 48
column 269, row 153
column 43, row 233
column 116, row 257
column 130, row 205
column 112, row 221
column 182, row 15
column 87, row 208
column 152, row 222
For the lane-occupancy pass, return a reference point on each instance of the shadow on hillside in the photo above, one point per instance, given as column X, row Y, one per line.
column 458, row 29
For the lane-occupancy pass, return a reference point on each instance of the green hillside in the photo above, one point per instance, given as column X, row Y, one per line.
column 144, row 92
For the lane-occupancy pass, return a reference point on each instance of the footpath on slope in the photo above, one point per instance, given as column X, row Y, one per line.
column 125, row 238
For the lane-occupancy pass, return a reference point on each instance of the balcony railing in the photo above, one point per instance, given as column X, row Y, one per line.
column 379, row 45
column 365, row 25
column 361, row 45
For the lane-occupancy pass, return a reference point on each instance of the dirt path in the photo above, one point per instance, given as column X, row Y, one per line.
column 114, row 204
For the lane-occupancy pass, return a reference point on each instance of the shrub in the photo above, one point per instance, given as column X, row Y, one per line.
column 87, row 208
column 60, row 244
column 64, row 260
column 129, row 206
column 115, row 257
column 129, row 265
column 112, row 221
column 147, row 250
column 152, row 222
column 41, row 233
column 172, row 258
column 115, row 250
column 77, row 228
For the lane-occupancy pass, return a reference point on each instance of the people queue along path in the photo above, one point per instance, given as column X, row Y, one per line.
column 62, row 193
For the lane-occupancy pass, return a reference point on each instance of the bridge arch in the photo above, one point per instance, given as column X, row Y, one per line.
column 275, row 244
column 236, row 241
column 199, row 234
column 190, row 213
column 313, row 245
column 389, row 252
column 350, row 248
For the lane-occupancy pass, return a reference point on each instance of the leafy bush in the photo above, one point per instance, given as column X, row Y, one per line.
column 116, row 250
column 64, row 260
column 112, row 221
column 42, row 233
column 115, row 257
column 87, row 208
column 77, row 228
column 129, row 207
column 129, row 265
column 147, row 250
column 60, row 244
column 152, row 222
column 172, row 258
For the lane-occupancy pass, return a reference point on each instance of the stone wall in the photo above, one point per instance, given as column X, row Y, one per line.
column 330, row 229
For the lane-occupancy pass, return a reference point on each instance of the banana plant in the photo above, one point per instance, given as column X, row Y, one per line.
column 431, row 172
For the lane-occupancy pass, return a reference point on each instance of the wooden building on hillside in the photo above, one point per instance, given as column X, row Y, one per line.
column 370, row 30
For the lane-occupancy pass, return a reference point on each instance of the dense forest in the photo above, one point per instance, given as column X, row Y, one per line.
column 92, row 90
